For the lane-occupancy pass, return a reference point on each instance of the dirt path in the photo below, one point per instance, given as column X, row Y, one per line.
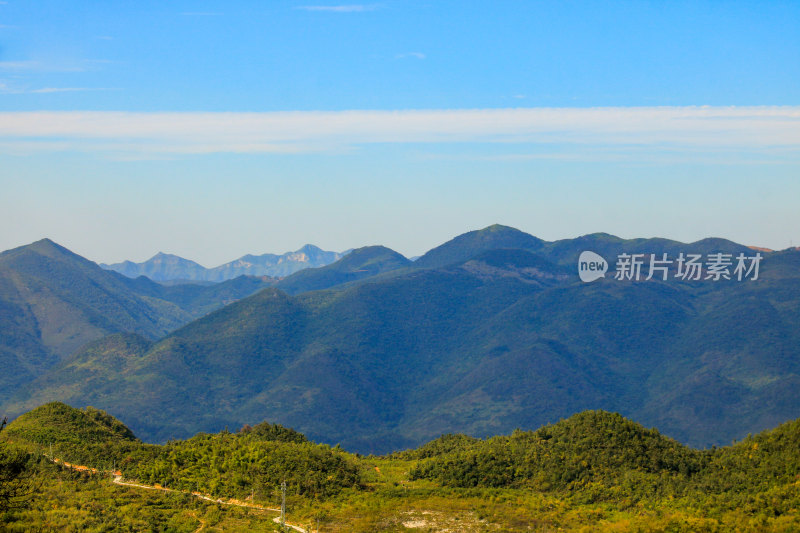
column 277, row 520
column 202, row 522
column 230, row 501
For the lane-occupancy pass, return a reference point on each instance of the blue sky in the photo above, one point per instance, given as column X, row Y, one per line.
column 215, row 129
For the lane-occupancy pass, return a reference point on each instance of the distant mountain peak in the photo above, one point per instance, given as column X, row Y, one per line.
column 46, row 247
column 169, row 267
column 310, row 248
column 498, row 227
column 474, row 242
column 46, row 243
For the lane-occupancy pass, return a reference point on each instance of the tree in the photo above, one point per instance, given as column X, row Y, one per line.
column 15, row 475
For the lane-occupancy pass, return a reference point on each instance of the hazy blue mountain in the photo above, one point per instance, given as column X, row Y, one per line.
column 167, row 267
column 278, row 266
column 161, row 267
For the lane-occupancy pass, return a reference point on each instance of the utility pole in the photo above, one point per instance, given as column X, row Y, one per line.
column 283, row 505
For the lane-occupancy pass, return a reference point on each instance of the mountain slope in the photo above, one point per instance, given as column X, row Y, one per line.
column 53, row 301
column 505, row 338
column 358, row 264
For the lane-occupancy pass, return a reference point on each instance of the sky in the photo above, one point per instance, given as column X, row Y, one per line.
column 217, row 129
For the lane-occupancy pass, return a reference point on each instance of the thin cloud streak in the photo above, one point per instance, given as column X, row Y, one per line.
column 352, row 8
column 48, row 90
column 416, row 55
column 38, row 66
column 763, row 129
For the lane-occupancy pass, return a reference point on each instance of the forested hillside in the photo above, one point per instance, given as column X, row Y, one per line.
column 379, row 353
column 594, row 471
column 53, row 302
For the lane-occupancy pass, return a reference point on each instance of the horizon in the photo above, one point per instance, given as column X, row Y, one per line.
column 215, row 129
column 167, row 253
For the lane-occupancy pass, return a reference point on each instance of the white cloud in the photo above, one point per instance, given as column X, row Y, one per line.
column 351, row 8
column 38, row 66
column 683, row 129
column 416, row 55
column 11, row 89
column 20, row 65
column 47, row 90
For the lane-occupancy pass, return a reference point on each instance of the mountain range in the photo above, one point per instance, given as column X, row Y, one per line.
column 488, row 332
column 168, row 267
column 52, row 302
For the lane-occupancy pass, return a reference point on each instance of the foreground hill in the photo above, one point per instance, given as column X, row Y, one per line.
column 594, row 471
column 53, row 301
column 263, row 455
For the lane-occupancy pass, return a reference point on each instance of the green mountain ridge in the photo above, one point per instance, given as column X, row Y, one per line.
column 52, row 302
column 358, row 264
column 504, row 338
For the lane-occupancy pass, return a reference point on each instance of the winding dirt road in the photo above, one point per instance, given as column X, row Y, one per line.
column 230, row 501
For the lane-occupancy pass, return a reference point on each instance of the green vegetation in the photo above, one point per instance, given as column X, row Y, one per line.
column 473, row 243
column 15, row 487
column 446, row 444
column 358, row 264
column 491, row 332
column 595, row 471
column 71, row 501
column 243, row 464
column 595, row 452
column 52, row 302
